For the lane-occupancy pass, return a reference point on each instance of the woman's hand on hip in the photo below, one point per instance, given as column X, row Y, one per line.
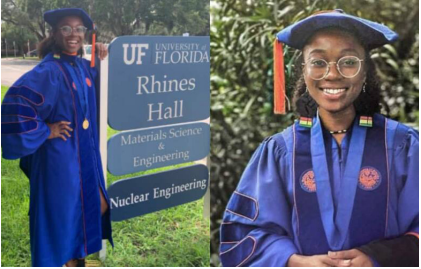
column 59, row 129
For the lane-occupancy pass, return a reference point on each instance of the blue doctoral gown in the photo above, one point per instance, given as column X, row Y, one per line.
column 65, row 176
column 285, row 204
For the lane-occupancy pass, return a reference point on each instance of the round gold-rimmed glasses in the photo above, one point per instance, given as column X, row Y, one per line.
column 67, row 30
column 318, row 69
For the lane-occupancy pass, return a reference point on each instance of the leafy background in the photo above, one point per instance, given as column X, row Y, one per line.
column 242, row 34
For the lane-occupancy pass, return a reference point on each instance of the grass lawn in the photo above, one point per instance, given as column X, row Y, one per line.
column 21, row 58
column 177, row 236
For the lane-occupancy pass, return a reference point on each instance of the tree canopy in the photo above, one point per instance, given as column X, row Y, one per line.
column 112, row 17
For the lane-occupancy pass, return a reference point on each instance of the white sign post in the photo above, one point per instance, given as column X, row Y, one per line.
column 103, row 126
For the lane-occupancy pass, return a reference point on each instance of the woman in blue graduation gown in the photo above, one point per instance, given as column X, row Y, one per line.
column 49, row 122
column 340, row 186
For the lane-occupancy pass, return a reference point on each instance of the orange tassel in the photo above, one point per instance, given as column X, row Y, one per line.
column 278, row 79
column 93, row 48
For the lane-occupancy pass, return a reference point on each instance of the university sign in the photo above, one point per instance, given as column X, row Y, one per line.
column 146, row 194
column 135, row 151
column 155, row 81
column 158, row 96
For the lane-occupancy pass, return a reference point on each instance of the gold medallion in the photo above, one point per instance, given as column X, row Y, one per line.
column 85, row 124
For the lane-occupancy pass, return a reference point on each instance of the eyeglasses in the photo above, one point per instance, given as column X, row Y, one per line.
column 348, row 67
column 67, row 30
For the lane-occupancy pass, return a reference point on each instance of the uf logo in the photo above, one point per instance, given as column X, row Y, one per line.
column 139, row 51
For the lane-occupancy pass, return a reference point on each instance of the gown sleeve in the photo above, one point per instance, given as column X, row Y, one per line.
column 26, row 108
column 407, row 168
column 256, row 228
column 402, row 251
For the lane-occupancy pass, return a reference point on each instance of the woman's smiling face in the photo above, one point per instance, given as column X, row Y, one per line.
column 334, row 93
column 72, row 43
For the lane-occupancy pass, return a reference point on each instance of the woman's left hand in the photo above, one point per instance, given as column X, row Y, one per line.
column 101, row 50
column 351, row 258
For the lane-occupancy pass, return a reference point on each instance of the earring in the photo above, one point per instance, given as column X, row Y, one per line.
column 364, row 87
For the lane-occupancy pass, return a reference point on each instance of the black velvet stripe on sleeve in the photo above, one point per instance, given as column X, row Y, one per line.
column 399, row 252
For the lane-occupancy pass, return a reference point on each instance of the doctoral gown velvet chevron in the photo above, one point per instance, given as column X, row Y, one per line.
column 65, row 176
column 301, row 193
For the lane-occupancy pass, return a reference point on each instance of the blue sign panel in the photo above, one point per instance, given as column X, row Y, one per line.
column 135, row 151
column 146, row 194
column 156, row 80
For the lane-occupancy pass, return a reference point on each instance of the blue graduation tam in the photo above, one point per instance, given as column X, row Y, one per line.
column 373, row 34
column 52, row 17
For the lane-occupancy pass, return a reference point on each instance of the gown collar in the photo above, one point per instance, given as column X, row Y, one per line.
column 71, row 58
column 330, row 140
